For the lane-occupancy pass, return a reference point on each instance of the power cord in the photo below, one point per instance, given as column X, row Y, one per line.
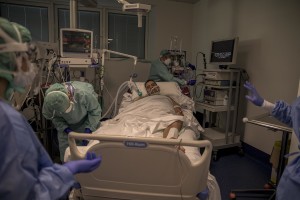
column 181, row 165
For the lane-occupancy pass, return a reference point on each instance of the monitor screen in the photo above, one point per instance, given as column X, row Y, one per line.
column 223, row 52
column 76, row 43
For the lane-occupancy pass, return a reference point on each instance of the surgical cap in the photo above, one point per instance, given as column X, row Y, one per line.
column 57, row 98
column 57, row 87
column 165, row 53
column 7, row 59
column 24, row 32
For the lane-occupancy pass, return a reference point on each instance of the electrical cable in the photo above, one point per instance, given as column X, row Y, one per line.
column 243, row 73
column 123, row 86
column 181, row 165
column 41, row 24
column 59, row 69
column 199, row 96
column 197, row 85
column 203, row 57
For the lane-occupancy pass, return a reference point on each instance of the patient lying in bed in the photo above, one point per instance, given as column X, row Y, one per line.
column 157, row 116
column 173, row 129
column 152, row 116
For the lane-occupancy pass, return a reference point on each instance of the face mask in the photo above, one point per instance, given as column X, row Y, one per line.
column 9, row 94
column 167, row 61
column 176, row 63
column 36, row 83
column 154, row 90
column 24, row 78
column 70, row 107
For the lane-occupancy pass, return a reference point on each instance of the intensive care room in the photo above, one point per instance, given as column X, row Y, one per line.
column 149, row 99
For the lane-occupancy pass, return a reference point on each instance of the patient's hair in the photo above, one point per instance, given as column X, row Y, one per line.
column 149, row 81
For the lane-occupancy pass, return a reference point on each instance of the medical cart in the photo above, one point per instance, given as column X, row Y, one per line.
column 221, row 95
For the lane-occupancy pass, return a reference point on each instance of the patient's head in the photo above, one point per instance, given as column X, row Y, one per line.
column 151, row 87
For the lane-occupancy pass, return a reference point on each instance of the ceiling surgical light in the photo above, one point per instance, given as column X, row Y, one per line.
column 136, row 8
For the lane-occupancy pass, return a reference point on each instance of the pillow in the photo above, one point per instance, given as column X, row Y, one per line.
column 166, row 88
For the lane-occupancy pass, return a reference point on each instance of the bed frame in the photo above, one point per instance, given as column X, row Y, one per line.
column 142, row 168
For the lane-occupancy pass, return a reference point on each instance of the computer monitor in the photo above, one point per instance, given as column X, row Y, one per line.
column 224, row 52
column 76, row 43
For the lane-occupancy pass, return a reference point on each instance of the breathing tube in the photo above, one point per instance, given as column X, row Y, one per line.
column 138, row 91
column 115, row 101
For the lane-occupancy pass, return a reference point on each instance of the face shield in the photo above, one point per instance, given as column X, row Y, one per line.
column 25, row 72
column 71, row 91
column 38, row 66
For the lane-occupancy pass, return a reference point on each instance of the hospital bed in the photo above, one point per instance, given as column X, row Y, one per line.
column 137, row 162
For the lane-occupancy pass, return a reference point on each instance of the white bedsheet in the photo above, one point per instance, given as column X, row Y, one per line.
column 148, row 117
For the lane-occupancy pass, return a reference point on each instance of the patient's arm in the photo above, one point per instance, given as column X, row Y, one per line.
column 175, row 126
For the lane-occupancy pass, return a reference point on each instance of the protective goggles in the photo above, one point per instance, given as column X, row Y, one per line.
column 14, row 46
column 11, row 45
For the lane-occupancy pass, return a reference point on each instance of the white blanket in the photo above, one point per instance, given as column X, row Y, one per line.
column 147, row 117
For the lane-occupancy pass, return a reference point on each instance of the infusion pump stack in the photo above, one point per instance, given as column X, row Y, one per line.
column 221, row 96
column 223, row 53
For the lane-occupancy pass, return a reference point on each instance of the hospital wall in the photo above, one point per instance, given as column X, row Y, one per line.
column 269, row 48
column 166, row 19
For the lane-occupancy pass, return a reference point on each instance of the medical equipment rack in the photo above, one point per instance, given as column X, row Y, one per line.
column 221, row 137
column 268, row 121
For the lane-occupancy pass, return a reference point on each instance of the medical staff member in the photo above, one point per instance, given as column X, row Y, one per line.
column 72, row 106
column 159, row 70
column 289, row 184
column 26, row 169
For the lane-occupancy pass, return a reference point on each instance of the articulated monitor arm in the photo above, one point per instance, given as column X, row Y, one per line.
column 137, row 8
column 123, row 1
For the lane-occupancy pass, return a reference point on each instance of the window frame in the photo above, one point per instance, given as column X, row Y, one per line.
column 127, row 13
column 49, row 6
column 104, row 11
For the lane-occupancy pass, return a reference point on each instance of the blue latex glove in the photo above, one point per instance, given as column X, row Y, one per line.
column 193, row 67
column 85, row 142
column 191, row 82
column 254, row 97
column 68, row 130
column 88, row 130
column 204, row 194
column 90, row 163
